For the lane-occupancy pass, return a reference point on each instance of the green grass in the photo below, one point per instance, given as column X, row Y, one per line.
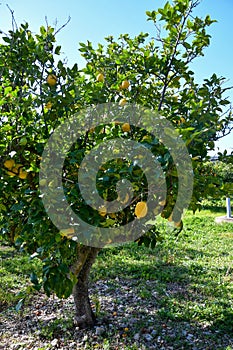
column 15, row 269
column 193, row 273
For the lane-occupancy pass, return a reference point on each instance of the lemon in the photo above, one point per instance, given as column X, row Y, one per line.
column 68, row 232
column 162, row 202
column 102, row 210
column 141, row 210
column 125, row 127
column 122, row 102
column 11, row 172
column 48, row 105
column 9, row 163
column 22, row 174
column 100, row 78
column 124, row 85
column 52, row 79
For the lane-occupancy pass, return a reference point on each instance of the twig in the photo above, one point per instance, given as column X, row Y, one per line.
column 14, row 24
column 63, row 26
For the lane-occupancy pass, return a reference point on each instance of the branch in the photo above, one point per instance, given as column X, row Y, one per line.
column 63, row 26
column 13, row 21
column 167, row 81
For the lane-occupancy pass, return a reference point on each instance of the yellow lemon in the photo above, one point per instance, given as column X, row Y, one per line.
column 124, row 85
column 9, row 163
column 162, row 202
column 100, row 78
column 102, row 210
column 48, row 105
column 22, row 174
column 52, row 79
column 125, row 127
column 141, row 210
column 122, row 102
column 11, row 172
column 68, row 232
column 15, row 170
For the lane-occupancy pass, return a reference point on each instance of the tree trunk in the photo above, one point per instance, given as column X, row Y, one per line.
column 85, row 316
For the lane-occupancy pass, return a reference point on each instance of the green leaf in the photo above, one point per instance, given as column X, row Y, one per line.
column 19, row 305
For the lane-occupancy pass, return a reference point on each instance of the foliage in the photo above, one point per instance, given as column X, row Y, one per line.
column 222, row 175
column 224, row 171
column 39, row 91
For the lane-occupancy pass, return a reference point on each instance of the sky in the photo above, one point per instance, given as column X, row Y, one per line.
column 94, row 20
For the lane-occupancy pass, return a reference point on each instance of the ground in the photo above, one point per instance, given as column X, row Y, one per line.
column 177, row 296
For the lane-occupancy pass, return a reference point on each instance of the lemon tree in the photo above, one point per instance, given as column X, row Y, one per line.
column 38, row 92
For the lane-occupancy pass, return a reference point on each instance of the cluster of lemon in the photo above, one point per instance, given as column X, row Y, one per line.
column 51, row 81
column 15, row 169
column 123, row 86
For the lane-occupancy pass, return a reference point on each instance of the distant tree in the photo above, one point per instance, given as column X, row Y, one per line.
column 38, row 92
column 222, row 178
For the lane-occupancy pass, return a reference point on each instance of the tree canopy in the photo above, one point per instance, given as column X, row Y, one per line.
column 39, row 92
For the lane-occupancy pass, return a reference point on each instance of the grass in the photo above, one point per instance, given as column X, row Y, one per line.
column 193, row 273
column 191, row 276
column 15, row 269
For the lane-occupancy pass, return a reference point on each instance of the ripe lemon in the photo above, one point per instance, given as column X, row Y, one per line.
column 48, row 105
column 125, row 127
column 122, row 102
column 11, row 172
column 124, row 85
column 100, row 78
column 22, row 174
column 52, row 79
column 141, row 210
column 68, row 232
column 102, row 210
column 9, row 163
column 162, row 202
column 16, row 168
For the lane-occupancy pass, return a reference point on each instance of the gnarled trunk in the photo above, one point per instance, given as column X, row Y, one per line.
column 85, row 316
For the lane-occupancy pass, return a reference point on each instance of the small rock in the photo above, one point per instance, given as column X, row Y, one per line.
column 136, row 336
column 133, row 320
column 189, row 336
column 147, row 337
column 54, row 342
column 153, row 332
column 99, row 330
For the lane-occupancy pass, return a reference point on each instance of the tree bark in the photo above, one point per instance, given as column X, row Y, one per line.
column 85, row 317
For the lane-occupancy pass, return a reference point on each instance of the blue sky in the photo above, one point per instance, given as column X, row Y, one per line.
column 93, row 20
